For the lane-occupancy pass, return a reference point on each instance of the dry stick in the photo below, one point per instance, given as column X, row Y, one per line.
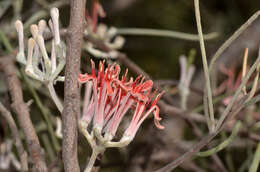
column 71, row 110
column 17, row 140
column 22, row 110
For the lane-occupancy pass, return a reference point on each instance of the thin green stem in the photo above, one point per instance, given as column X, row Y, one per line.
column 164, row 33
column 223, row 144
column 95, row 152
column 229, row 161
column 253, row 101
column 48, row 147
column 6, row 42
column 205, row 65
column 256, row 161
column 246, row 164
column 206, row 110
column 54, row 96
column 58, row 69
column 83, row 128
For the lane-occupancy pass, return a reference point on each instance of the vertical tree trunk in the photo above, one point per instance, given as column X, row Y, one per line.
column 71, row 93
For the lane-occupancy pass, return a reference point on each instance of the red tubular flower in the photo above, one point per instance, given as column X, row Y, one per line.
column 108, row 99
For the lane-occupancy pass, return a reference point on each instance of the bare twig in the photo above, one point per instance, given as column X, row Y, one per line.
column 71, row 92
column 18, row 143
column 22, row 110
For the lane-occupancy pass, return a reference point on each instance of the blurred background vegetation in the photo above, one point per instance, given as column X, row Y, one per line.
column 157, row 56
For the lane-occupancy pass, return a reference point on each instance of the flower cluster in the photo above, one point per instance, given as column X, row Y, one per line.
column 38, row 64
column 101, row 32
column 111, row 99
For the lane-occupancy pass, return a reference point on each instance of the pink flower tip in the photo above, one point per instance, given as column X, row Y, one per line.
column 157, row 124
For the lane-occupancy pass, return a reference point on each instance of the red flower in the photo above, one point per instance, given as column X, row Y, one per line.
column 113, row 97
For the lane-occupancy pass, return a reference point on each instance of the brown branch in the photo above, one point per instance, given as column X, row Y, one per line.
column 22, row 110
column 71, row 110
column 17, row 140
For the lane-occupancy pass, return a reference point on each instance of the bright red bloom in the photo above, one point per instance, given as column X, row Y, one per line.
column 113, row 97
